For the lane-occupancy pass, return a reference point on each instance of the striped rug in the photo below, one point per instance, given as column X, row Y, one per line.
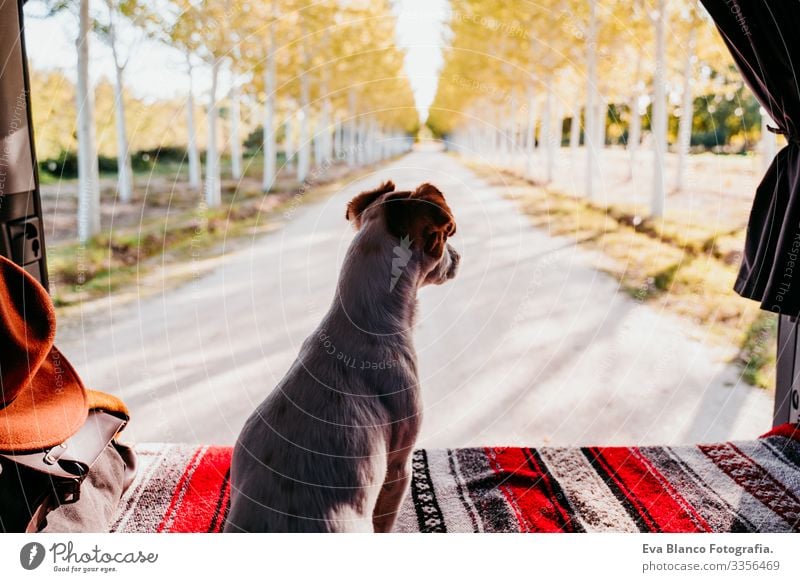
column 751, row 486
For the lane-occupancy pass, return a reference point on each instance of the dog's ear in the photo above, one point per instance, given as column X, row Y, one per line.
column 361, row 202
column 424, row 216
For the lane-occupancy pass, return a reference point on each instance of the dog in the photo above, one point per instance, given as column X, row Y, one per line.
column 329, row 449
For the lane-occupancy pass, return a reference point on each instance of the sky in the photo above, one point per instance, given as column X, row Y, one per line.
column 156, row 71
column 419, row 32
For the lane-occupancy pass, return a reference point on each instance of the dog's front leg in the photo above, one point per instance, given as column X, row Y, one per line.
column 395, row 486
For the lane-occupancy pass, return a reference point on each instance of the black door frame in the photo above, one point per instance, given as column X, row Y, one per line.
column 787, row 376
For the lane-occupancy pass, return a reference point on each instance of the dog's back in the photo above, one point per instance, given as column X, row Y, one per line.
column 299, row 465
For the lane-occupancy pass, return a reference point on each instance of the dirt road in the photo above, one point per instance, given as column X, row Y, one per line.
column 529, row 345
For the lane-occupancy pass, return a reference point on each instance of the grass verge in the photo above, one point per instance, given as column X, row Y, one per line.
column 118, row 259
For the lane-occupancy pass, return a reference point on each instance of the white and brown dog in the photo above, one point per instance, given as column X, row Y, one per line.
column 329, row 449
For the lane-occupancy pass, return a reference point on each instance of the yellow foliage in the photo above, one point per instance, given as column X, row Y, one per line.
column 150, row 124
column 53, row 109
column 498, row 53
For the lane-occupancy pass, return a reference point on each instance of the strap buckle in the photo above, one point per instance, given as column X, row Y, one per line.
column 67, row 490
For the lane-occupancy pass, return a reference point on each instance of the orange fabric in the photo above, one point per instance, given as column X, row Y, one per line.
column 108, row 402
column 48, row 412
column 43, row 400
column 27, row 329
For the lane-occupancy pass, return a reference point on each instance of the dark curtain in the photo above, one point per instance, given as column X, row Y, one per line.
column 764, row 38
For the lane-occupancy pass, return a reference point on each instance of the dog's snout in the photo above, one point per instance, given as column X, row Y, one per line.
column 455, row 259
column 454, row 256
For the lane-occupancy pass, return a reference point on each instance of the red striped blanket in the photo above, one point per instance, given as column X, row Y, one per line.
column 726, row 487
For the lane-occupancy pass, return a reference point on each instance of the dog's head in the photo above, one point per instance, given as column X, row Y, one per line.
column 421, row 220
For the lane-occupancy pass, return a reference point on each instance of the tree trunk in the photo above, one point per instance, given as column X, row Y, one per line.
column 511, row 131
column 634, row 134
column 558, row 134
column 352, row 159
column 363, row 141
column 635, row 123
column 124, row 168
column 380, row 143
column 687, row 114
column 324, row 130
column 304, row 152
column 327, row 134
column 591, row 87
column 288, row 141
column 369, row 141
column 213, row 185
column 338, row 140
column 88, row 171
column 236, row 139
column 269, row 146
column 323, row 150
column 377, row 138
column 489, row 141
column 495, row 139
column 194, row 155
column 659, row 114
column 342, row 155
column 600, row 125
column 359, row 141
column 548, row 132
column 575, row 130
column 316, row 142
column 304, row 145
column 530, row 136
